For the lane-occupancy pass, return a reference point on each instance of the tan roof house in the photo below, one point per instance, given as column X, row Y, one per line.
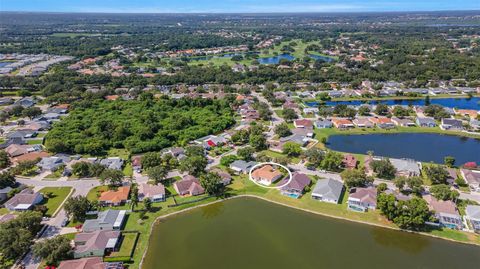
column 84, row 263
column 266, row 175
column 156, row 193
column 115, row 197
column 188, row 186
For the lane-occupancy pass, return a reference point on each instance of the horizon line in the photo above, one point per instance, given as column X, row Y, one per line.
column 246, row 12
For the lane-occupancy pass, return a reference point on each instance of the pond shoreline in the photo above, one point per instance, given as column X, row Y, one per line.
column 155, row 222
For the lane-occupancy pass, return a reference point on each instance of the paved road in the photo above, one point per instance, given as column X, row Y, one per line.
column 81, row 187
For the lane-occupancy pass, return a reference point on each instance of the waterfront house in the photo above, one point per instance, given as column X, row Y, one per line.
column 156, row 193
column 84, row 263
column 472, row 114
column 106, row 221
column 302, row 140
column 241, row 166
column 95, row 244
column 308, row 132
column 349, row 161
column 426, row 122
column 382, row 122
column 451, row 124
column 406, row 167
column 115, row 197
column 303, row 123
column 328, row 190
column 188, row 186
column 225, row 177
column 472, row 177
column 24, row 200
column 472, row 214
column 266, row 175
column 296, row 186
column 322, row 124
column 403, row 122
column 445, row 212
column 362, row 199
column 310, row 110
column 475, row 124
column 340, row 123
column 363, row 123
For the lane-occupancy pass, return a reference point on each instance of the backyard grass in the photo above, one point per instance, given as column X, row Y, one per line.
column 35, row 142
column 57, row 196
column 129, row 240
column 122, row 153
column 128, row 170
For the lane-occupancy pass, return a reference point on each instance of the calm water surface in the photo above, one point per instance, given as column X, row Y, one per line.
column 420, row 147
column 251, row 233
column 463, row 103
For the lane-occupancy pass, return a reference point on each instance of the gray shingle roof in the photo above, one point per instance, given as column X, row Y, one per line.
column 328, row 188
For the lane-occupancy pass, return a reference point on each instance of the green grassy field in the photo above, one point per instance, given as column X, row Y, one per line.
column 58, row 195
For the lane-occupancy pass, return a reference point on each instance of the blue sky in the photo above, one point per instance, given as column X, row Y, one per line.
column 218, row 6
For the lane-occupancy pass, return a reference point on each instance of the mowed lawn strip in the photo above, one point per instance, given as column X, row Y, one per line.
column 58, row 195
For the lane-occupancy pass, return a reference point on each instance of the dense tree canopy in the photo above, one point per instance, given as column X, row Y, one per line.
column 138, row 126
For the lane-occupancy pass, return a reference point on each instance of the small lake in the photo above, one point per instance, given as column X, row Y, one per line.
column 3, row 64
column 276, row 59
column 463, row 103
column 251, row 233
column 423, row 147
column 321, row 57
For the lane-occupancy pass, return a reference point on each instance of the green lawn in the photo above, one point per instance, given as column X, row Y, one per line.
column 274, row 154
column 94, row 193
column 58, row 195
column 127, row 246
column 35, row 142
column 128, row 170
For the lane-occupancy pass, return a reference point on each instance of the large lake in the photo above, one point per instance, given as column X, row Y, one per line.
column 463, row 103
column 251, row 233
column 423, row 147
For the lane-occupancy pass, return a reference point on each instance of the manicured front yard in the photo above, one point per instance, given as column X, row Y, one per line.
column 94, row 193
column 54, row 197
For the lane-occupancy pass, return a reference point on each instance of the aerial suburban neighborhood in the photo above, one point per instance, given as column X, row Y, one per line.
column 112, row 125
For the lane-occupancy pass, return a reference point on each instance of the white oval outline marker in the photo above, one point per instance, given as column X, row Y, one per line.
column 272, row 163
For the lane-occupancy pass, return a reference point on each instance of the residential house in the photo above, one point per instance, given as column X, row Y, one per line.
column 303, row 123
column 472, row 177
column 107, row 220
column 310, row 110
column 290, row 105
column 22, row 134
column 225, row 177
column 15, row 150
column 35, row 126
column 328, row 190
column 31, row 156
column 475, row 124
column 382, row 122
column 308, row 132
column 363, row 123
column 321, row 124
column 84, row 263
column 340, row 123
column 24, row 200
column 406, row 167
column 241, row 166
column 51, row 163
column 95, row 244
column 472, row 214
column 25, row 102
column 472, row 114
column 426, row 122
column 451, row 124
column 115, row 197
column 4, row 193
column 349, row 161
column 362, row 199
column 156, row 193
column 403, row 122
column 295, row 138
column 296, row 186
column 188, row 186
column 266, row 175
column 446, row 212
column 115, row 163
column 452, row 176
column 137, row 163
